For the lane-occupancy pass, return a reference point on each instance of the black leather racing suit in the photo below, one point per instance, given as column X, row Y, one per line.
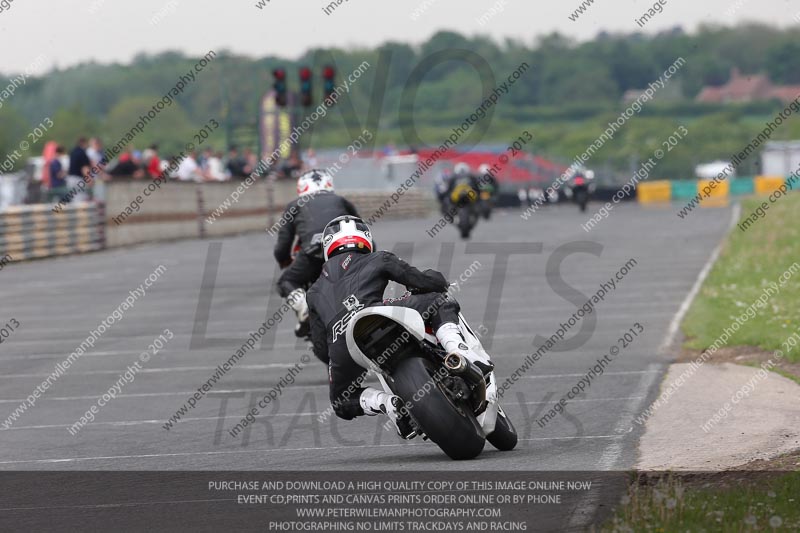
column 305, row 217
column 352, row 281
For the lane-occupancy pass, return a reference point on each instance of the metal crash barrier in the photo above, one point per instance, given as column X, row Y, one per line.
column 33, row 231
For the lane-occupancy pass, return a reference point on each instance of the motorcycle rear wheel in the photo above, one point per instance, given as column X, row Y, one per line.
column 451, row 425
column 465, row 222
column 583, row 198
column 504, row 437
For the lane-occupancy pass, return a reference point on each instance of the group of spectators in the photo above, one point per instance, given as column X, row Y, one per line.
column 216, row 166
column 62, row 171
column 208, row 165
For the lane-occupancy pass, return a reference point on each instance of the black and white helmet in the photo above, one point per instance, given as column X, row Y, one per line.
column 347, row 234
column 314, row 181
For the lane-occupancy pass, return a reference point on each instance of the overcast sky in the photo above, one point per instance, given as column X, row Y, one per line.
column 68, row 32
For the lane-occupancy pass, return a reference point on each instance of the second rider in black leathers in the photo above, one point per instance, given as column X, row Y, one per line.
column 304, row 218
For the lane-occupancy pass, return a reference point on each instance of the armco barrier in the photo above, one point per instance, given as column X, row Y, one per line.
column 33, row 231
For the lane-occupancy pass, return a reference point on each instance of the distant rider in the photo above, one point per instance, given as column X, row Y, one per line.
column 463, row 179
column 304, row 218
column 354, row 277
column 441, row 186
column 486, row 180
column 487, row 186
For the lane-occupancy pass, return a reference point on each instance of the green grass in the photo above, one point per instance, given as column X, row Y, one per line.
column 749, row 263
column 772, row 505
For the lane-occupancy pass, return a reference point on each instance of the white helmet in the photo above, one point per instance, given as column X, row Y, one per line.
column 484, row 169
column 461, row 169
column 346, row 233
column 314, row 181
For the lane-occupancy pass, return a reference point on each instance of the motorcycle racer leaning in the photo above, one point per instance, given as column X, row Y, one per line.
column 354, row 277
column 306, row 217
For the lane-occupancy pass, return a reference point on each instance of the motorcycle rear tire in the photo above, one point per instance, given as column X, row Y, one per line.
column 583, row 199
column 465, row 222
column 452, row 426
column 504, row 437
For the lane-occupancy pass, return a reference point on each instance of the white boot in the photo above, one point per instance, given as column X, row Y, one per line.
column 375, row 402
column 450, row 337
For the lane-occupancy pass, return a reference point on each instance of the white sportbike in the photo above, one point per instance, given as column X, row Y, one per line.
column 450, row 400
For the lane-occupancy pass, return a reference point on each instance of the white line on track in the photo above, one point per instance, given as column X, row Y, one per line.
column 675, row 324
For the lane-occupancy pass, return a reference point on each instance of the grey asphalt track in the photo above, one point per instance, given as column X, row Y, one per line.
column 58, row 302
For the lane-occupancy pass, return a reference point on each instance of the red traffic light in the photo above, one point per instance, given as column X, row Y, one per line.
column 328, row 73
column 305, row 73
column 279, row 85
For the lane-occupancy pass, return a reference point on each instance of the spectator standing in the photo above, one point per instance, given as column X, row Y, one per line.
column 152, row 162
column 99, row 161
column 58, row 177
column 79, row 167
column 235, row 163
column 250, row 161
column 95, row 152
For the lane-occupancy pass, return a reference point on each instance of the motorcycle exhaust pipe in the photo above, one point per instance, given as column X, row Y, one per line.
column 455, row 363
column 460, row 366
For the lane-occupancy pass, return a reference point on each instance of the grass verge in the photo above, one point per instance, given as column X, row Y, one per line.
column 750, row 262
column 725, row 501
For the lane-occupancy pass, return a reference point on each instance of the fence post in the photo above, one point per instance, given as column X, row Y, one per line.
column 101, row 224
column 200, row 212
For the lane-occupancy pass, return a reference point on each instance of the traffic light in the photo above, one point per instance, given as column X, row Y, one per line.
column 279, row 84
column 305, row 87
column 329, row 83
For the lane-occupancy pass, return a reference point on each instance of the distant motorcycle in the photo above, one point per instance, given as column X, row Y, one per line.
column 581, row 188
column 486, row 203
column 464, row 199
column 451, row 401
